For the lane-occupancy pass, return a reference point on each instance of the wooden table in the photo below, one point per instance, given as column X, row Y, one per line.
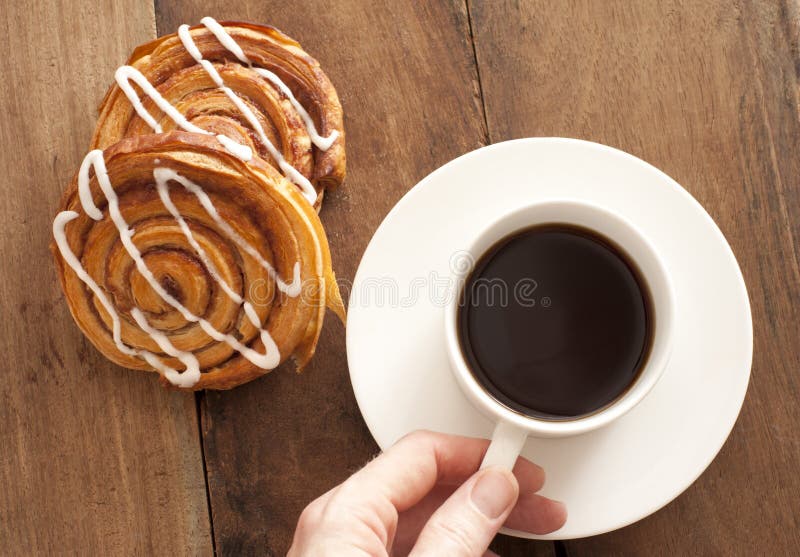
column 98, row 460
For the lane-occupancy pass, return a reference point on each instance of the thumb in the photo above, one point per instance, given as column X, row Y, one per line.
column 466, row 523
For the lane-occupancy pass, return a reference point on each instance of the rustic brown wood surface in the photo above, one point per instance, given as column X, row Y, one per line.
column 96, row 459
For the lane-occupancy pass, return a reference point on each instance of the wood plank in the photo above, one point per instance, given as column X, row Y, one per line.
column 406, row 77
column 95, row 460
column 706, row 91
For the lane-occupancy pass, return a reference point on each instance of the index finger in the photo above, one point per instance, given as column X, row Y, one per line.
column 409, row 469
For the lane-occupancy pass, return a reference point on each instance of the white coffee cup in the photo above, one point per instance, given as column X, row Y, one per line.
column 512, row 427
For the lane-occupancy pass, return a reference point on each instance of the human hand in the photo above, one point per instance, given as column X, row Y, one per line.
column 424, row 496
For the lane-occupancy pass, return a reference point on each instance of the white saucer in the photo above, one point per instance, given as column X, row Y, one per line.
column 616, row 475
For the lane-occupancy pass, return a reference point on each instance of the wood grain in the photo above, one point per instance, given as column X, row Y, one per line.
column 95, row 460
column 708, row 92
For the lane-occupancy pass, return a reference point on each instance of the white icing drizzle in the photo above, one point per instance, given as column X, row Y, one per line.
column 186, row 379
column 125, row 74
column 190, row 376
column 242, row 152
column 94, row 159
column 324, row 143
column 164, row 175
column 84, row 193
column 291, row 172
column 59, row 223
column 233, row 47
column 224, row 38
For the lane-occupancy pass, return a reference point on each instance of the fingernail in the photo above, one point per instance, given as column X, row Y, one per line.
column 494, row 492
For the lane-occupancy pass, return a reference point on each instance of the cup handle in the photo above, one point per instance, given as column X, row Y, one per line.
column 507, row 442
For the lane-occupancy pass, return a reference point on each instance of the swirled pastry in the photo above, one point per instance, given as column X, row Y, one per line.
column 177, row 256
column 188, row 242
column 247, row 84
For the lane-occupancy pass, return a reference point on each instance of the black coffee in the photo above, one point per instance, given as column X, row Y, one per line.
column 555, row 321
